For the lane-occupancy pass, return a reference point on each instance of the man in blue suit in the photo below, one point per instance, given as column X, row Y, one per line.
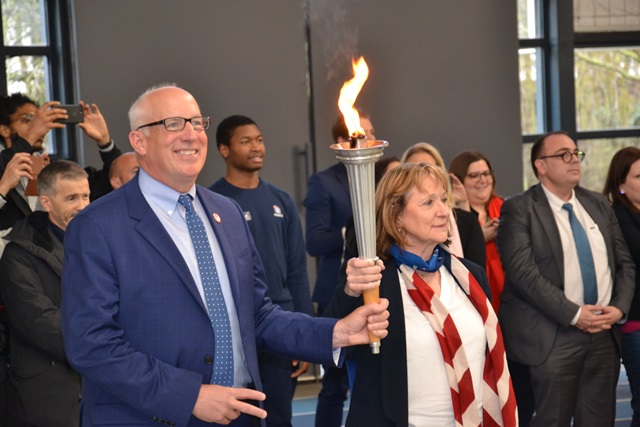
column 136, row 307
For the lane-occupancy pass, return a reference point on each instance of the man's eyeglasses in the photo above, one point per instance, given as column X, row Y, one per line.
column 475, row 176
column 176, row 124
column 567, row 156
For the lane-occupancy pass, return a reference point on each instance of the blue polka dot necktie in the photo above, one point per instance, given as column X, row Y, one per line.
column 585, row 257
column 223, row 363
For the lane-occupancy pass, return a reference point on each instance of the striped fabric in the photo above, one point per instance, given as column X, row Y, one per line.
column 498, row 399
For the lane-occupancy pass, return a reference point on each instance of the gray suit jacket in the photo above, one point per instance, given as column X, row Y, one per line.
column 533, row 303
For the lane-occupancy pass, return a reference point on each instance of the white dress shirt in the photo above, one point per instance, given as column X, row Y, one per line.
column 164, row 202
column 573, row 286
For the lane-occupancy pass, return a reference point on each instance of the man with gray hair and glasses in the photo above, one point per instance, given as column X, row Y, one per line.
column 164, row 306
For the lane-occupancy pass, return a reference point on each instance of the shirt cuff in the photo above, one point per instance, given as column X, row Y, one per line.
column 108, row 148
column 576, row 317
column 336, row 356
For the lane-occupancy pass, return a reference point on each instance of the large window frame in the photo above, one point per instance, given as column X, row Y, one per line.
column 57, row 50
column 557, row 43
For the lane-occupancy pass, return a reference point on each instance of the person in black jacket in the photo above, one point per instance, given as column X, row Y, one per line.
column 439, row 308
column 622, row 188
column 43, row 389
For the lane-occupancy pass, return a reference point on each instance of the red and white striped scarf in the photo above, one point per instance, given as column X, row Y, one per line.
column 498, row 399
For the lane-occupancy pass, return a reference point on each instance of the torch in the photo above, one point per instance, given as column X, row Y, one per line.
column 359, row 156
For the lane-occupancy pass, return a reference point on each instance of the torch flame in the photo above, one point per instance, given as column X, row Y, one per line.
column 348, row 95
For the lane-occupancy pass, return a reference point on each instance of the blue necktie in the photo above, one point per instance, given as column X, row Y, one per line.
column 223, row 363
column 585, row 257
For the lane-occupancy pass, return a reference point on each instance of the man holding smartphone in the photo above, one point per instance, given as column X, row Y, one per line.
column 24, row 126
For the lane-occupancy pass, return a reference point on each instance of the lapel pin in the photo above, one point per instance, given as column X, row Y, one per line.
column 216, row 218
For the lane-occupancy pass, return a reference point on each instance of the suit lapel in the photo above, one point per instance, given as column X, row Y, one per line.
column 591, row 206
column 545, row 215
column 152, row 230
column 394, row 354
column 223, row 241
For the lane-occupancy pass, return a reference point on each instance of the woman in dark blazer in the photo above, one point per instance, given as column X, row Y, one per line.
column 422, row 377
column 622, row 188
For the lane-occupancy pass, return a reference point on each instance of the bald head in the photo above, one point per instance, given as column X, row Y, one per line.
column 123, row 169
column 171, row 155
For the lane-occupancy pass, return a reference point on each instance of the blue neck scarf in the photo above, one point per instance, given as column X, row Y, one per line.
column 414, row 261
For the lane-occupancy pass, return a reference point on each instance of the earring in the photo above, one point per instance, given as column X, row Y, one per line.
column 621, row 191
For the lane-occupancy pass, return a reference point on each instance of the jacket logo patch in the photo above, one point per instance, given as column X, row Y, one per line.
column 277, row 212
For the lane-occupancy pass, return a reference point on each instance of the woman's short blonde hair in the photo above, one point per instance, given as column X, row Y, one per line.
column 423, row 147
column 391, row 199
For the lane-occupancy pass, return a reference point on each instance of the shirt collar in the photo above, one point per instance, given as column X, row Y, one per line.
column 162, row 195
column 556, row 202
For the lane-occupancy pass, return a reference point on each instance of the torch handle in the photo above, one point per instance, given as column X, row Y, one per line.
column 372, row 295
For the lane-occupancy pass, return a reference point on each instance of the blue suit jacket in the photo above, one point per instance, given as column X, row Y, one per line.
column 134, row 324
column 328, row 208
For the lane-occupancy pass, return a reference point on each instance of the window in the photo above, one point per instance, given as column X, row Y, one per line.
column 580, row 72
column 36, row 48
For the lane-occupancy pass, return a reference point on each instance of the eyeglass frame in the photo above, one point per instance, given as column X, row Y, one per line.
column 486, row 174
column 162, row 122
column 580, row 155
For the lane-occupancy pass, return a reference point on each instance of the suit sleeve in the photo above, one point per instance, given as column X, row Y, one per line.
column 631, row 233
column 525, row 279
column 96, row 345
column 321, row 237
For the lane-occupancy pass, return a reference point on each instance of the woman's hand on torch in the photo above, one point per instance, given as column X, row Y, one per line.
column 362, row 274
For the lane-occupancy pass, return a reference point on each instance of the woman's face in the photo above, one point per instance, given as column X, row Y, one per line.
column 631, row 186
column 425, row 218
column 478, row 182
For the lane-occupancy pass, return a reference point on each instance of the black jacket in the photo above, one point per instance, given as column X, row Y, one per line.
column 379, row 395
column 630, row 225
column 43, row 390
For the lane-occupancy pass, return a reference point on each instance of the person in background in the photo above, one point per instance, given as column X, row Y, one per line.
column 384, row 165
column 123, row 169
column 466, row 234
column 622, row 189
column 164, row 305
column 43, row 390
column 569, row 281
column 443, row 362
column 24, row 126
column 328, row 209
column 275, row 225
column 474, row 171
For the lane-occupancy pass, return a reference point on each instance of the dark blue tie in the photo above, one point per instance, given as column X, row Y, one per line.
column 223, row 363
column 585, row 257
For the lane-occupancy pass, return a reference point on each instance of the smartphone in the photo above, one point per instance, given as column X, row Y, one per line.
column 75, row 113
column 37, row 164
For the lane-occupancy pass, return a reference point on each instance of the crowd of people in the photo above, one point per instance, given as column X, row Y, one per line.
column 168, row 302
